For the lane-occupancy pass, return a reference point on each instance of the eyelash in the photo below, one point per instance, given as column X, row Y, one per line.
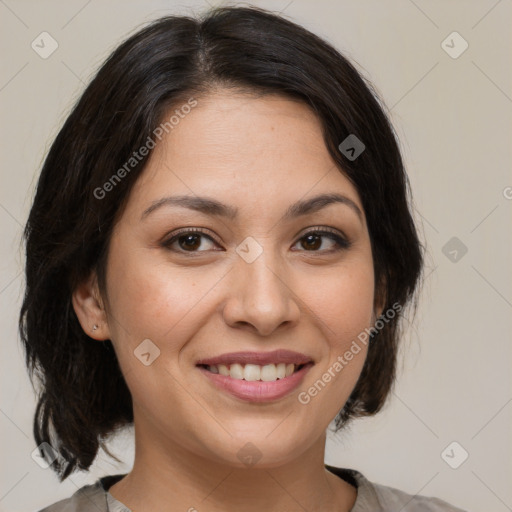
column 341, row 242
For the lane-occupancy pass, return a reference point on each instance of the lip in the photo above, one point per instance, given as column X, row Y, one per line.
column 257, row 391
column 259, row 358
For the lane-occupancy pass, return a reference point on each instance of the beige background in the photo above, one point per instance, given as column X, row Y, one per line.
column 454, row 120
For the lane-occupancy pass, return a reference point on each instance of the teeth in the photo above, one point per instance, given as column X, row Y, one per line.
column 223, row 369
column 253, row 372
column 236, row 371
column 268, row 372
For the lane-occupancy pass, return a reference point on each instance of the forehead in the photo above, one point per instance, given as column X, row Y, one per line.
column 242, row 147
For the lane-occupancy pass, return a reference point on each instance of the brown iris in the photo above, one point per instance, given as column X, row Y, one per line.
column 315, row 239
column 192, row 242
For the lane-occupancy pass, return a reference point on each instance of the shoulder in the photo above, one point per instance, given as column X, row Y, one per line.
column 390, row 498
column 377, row 497
column 89, row 498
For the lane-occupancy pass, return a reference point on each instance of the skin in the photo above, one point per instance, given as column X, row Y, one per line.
column 259, row 155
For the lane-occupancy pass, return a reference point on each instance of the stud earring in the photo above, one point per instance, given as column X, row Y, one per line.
column 94, row 327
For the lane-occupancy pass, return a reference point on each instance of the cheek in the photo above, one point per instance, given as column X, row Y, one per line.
column 342, row 301
column 155, row 300
column 343, row 308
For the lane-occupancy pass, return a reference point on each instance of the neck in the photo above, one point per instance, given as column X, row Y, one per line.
column 189, row 482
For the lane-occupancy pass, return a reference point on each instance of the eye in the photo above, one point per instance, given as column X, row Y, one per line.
column 312, row 241
column 188, row 240
column 192, row 240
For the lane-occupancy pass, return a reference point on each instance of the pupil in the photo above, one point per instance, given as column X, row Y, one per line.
column 189, row 241
column 314, row 239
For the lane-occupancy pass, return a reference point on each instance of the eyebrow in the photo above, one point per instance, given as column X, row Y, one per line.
column 213, row 207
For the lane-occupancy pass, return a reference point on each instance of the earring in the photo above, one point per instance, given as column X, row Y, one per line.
column 94, row 327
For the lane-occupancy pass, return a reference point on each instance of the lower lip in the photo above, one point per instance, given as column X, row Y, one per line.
column 257, row 391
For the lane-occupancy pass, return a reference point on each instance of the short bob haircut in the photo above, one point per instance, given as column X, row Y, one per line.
column 82, row 396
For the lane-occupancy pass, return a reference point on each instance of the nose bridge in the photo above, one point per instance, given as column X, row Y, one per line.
column 260, row 295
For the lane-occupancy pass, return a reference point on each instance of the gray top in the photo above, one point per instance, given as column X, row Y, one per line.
column 370, row 497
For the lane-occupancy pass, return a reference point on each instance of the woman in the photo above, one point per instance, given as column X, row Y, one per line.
column 219, row 252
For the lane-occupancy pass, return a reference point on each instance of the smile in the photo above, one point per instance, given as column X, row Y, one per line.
column 254, row 372
column 256, row 376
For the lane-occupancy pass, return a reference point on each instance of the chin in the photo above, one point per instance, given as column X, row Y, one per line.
column 260, row 450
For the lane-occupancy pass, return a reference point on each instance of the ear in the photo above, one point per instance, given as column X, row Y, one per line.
column 89, row 309
column 380, row 298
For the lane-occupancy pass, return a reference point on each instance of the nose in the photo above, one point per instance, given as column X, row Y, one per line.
column 259, row 297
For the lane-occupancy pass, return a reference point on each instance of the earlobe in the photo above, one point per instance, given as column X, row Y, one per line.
column 90, row 310
column 380, row 299
column 378, row 309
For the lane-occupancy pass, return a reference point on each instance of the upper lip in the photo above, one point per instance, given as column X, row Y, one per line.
column 259, row 358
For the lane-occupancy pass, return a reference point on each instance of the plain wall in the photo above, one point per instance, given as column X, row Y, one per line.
column 453, row 117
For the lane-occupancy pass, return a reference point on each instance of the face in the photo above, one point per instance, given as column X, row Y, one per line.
column 223, row 249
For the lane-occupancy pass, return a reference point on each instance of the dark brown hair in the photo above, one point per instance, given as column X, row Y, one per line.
column 82, row 395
